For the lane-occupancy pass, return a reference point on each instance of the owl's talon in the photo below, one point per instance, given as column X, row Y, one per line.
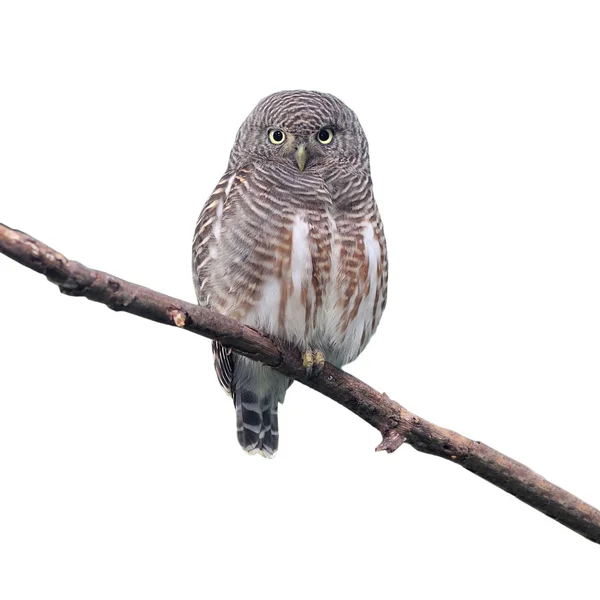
column 319, row 363
column 307, row 362
column 313, row 362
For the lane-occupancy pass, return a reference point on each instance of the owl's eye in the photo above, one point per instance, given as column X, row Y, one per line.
column 276, row 136
column 325, row 136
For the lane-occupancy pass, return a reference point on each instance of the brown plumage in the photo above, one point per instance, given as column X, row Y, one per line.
column 290, row 242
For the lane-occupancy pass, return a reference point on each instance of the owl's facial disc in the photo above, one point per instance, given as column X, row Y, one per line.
column 301, row 156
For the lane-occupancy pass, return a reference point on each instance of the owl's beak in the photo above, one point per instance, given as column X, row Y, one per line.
column 301, row 157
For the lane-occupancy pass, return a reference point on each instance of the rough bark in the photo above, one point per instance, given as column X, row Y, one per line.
column 396, row 424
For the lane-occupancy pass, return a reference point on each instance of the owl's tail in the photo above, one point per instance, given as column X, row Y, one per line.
column 256, row 417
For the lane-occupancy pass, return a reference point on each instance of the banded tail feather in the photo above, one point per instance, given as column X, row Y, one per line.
column 256, row 392
column 257, row 426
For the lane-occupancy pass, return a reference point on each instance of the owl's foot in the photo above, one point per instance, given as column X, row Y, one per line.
column 313, row 362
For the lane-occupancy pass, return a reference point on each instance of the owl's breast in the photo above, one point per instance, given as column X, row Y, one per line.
column 325, row 292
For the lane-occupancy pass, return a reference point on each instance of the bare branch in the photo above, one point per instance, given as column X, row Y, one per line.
column 396, row 424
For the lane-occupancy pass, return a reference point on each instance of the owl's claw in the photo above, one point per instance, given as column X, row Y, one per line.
column 313, row 362
column 319, row 363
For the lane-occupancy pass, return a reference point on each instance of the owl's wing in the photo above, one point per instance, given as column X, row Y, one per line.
column 223, row 357
column 204, row 234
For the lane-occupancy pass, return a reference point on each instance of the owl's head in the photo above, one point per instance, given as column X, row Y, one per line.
column 301, row 130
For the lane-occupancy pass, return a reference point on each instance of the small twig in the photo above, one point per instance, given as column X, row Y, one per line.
column 395, row 423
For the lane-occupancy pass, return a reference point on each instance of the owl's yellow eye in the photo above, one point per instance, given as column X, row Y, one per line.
column 325, row 136
column 276, row 136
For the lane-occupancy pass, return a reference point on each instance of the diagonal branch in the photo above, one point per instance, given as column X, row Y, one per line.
column 396, row 424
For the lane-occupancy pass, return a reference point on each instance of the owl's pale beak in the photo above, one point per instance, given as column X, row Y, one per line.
column 301, row 157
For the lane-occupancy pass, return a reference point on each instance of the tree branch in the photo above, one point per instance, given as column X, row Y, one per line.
column 396, row 424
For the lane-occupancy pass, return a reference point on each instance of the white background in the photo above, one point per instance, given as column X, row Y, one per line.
column 120, row 472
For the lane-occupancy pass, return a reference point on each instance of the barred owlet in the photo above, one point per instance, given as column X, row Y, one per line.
column 291, row 243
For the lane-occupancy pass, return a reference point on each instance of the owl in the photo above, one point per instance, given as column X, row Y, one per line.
column 291, row 243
